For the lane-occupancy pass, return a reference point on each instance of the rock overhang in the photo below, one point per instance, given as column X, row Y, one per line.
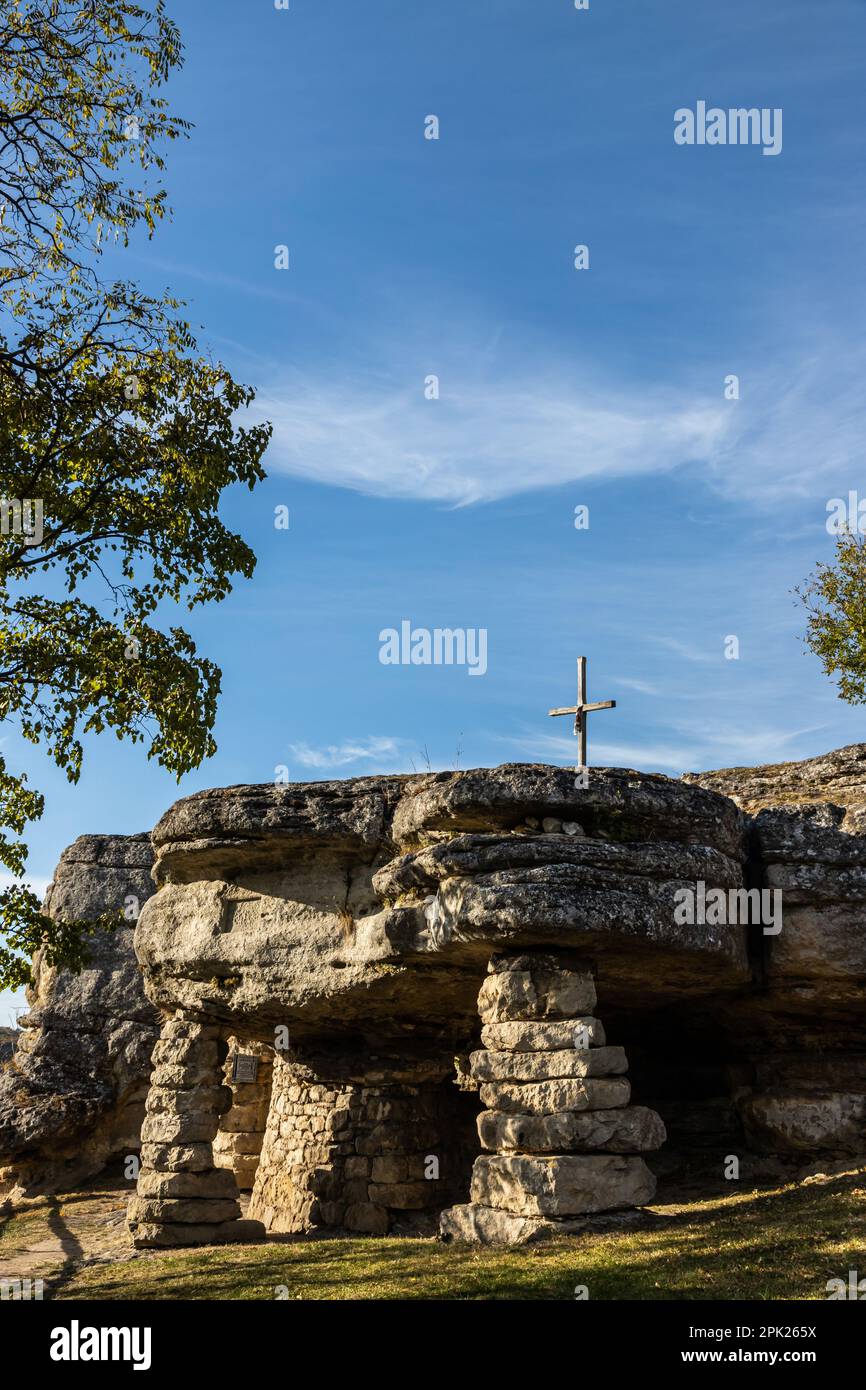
column 374, row 903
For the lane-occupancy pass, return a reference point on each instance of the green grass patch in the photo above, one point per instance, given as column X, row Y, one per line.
column 782, row 1243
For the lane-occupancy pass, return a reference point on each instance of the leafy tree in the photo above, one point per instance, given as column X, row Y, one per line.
column 117, row 440
column 835, row 598
column 78, row 103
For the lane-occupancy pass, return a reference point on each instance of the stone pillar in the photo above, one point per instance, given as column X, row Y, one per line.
column 562, row 1140
column 182, row 1197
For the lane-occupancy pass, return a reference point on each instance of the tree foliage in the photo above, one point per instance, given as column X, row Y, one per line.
column 79, row 81
column 117, row 439
column 835, row 598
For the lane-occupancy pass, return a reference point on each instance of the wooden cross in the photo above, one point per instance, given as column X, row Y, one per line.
column 582, row 709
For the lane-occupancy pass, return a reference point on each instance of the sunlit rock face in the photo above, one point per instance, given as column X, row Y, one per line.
column 372, row 905
column 72, row 1095
column 342, row 933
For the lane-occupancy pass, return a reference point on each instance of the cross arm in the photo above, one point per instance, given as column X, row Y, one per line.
column 584, row 709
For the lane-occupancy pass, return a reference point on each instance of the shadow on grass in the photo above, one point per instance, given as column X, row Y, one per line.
column 760, row 1245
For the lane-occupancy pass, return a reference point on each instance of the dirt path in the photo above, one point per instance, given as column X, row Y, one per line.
column 52, row 1238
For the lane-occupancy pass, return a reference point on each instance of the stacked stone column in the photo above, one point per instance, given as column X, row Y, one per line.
column 563, row 1141
column 182, row 1197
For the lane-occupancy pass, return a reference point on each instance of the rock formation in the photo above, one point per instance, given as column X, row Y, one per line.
column 375, row 1000
column 351, row 925
column 72, row 1096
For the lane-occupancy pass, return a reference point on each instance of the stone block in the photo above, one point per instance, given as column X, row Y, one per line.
column 544, row 1036
column 182, row 1075
column 243, row 1143
column 179, row 1129
column 367, row 1218
column 389, row 1168
column 170, row 1158
column 242, row 1119
column 182, row 1210
column 634, row 1129
column 547, row 1066
column 152, row 1236
column 567, row 1185
column 541, row 990
column 403, row 1196
column 203, row 1100
column 473, row 1224
column 218, row 1182
column 186, row 1052
column 175, row 1028
column 551, row 1097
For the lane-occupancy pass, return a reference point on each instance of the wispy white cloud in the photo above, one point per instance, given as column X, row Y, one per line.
column 484, row 439
column 686, row 651
column 648, row 756
column 497, row 430
column 642, row 687
column 377, row 752
column 690, row 748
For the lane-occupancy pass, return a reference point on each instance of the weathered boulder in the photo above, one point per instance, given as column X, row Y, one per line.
column 838, row 778
column 357, row 919
column 631, row 1129
column 72, row 1097
column 567, row 1185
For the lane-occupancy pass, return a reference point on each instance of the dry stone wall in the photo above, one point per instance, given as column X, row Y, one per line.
column 361, row 1156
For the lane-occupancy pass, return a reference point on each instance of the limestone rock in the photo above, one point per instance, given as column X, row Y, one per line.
column 543, row 1037
column 155, row 1237
column 200, row 1101
column 567, row 1185
column 550, row 1097
column 473, row 1224
column 832, row 1122
column 367, row 1219
column 216, row 1183
column 176, row 1158
column 547, row 1066
column 179, row 1129
column 183, row 1211
column 540, row 990
column 838, row 778
column 73, row 1096
column 633, row 1129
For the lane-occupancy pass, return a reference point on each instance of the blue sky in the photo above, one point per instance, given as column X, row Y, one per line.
column 605, row 387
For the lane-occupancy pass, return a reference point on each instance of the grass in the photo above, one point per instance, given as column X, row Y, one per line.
column 778, row 1243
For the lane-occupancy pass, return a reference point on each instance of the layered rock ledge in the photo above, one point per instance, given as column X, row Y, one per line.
column 334, row 940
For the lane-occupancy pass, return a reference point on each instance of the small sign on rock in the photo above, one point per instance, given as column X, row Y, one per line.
column 245, row 1067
